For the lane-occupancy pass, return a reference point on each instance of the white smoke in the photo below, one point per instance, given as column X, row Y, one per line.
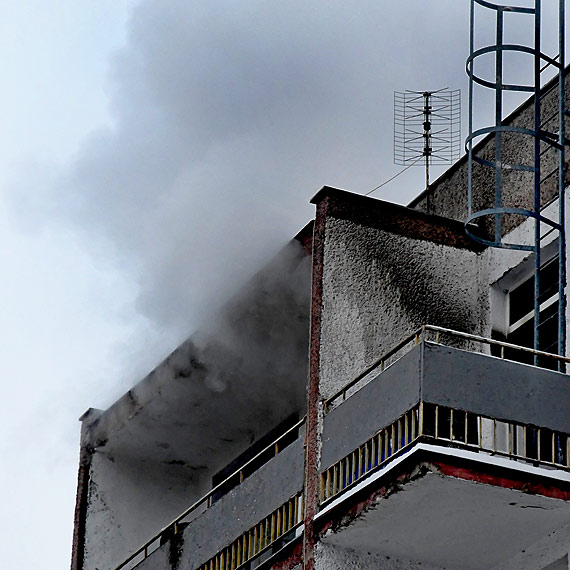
column 227, row 118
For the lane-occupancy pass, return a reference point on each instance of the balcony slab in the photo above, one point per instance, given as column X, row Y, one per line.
column 451, row 509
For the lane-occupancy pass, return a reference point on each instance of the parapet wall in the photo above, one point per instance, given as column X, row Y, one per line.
column 447, row 196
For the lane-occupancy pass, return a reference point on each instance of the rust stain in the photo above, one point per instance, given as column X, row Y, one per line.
column 312, row 471
column 294, row 559
column 80, row 517
column 525, row 486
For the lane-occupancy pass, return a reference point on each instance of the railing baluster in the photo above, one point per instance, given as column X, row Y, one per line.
column 436, row 422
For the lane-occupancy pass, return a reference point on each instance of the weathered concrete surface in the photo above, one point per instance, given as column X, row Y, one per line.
column 386, row 272
column 497, row 388
column 549, row 553
column 155, row 450
column 450, row 522
column 382, row 401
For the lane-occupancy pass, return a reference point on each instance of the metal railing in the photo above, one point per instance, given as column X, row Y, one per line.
column 278, row 526
column 450, row 427
column 371, row 455
column 207, row 500
column 511, row 439
column 437, row 335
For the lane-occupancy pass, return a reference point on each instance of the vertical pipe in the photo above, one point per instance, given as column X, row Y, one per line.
column 537, row 126
column 561, row 185
column 470, row 144
column 498, row 122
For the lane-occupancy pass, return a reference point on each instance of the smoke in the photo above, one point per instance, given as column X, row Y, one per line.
column 227, row 118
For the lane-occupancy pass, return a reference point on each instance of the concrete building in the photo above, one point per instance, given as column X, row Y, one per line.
column 358, row 405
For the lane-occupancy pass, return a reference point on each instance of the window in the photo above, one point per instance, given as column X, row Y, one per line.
column 517, row 313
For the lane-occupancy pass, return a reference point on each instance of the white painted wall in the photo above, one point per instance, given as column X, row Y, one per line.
column 129, row 501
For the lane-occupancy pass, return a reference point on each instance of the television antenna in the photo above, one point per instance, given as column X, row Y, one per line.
column 427, row 124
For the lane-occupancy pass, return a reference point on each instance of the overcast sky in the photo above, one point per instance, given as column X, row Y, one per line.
column 154, row 154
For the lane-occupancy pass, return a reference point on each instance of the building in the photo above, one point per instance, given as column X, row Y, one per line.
column 360, row 404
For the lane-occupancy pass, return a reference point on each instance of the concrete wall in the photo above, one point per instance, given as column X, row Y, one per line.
column 379, row 286
column 447, row 196
column 129, row 501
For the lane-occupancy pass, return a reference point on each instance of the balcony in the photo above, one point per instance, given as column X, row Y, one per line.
column 448, row 457
column 263, row 510
column 438, row 453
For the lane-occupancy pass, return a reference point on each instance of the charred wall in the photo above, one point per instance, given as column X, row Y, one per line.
column 387, row 271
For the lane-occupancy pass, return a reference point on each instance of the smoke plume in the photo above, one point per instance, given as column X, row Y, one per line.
column 227, row 118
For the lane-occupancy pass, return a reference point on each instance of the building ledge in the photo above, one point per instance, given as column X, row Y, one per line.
column 394, row 218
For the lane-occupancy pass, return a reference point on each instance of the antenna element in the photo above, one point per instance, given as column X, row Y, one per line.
column 427, row 124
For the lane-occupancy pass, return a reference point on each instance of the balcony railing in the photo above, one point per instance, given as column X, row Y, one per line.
column 207, row 500
column 278, row 526
column 437, row 335
column 451, row 427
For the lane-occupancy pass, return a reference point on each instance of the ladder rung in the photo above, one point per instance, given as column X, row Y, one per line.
column 548, row 175
column 545, row 66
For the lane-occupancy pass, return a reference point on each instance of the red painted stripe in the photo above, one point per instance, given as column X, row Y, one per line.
column 526, row 486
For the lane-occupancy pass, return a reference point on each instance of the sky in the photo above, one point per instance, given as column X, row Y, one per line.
column 154, row 154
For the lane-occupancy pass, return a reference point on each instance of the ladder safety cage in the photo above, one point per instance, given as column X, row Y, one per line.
column 548, row 140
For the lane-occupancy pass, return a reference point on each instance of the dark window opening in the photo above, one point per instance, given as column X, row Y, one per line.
column 521, row 319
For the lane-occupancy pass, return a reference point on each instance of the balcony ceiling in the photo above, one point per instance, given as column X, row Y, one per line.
column 188, row 412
